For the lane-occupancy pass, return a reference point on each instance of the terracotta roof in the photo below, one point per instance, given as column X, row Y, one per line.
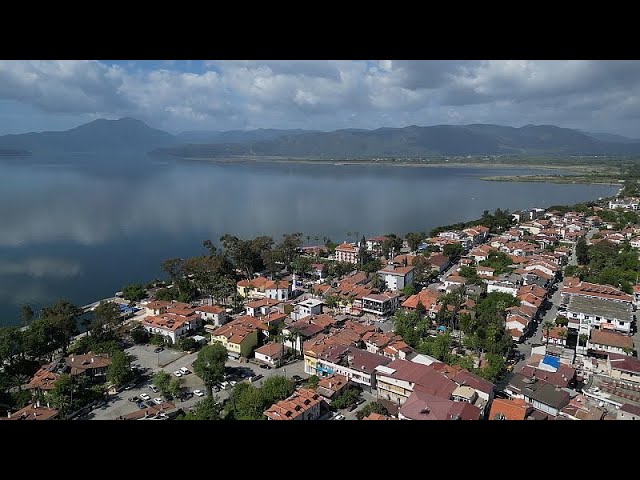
column 273, row 350
column 377, row 416
column 263, row 302
column 347, row 248
column 215, row 309
column 602, row 337
column 165, row 321
column 80, row 363
column 396, row 270
column 596, row 290
column 629, row 408
column 426, row 297
column 456, row 279
column 43, row 379
column 505, row 409
column 32, row 412
column 419, row 374
column 277, row 285
column 423, row 406
column 625, row 363
column 294, row 406
column 148, row 412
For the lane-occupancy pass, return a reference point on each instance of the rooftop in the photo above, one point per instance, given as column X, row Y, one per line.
column 600, row 307
column 602, row 337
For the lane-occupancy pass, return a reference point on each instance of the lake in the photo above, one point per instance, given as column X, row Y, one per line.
column 81, row 232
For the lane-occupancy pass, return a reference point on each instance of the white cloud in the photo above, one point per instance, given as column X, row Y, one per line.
column 600, row 95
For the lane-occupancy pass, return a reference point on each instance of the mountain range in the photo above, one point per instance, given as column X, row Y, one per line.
column 128, row 134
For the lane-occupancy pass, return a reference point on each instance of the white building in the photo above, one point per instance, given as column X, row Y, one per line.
column 213, row 314
column 396, row 277
column 311, row 306
column 602, row 314
column 345, row 252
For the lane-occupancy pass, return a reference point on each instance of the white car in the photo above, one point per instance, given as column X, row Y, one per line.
column 158, row 401
column 233, row 383
column 185, row 371
column 199, row 393
column 339, row 417
column 177, row 373
column 145, row 396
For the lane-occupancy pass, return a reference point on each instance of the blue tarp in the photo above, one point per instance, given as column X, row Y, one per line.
column 551, row 361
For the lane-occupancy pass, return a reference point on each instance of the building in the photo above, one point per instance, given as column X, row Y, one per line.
column 422, row 405
column 357, row 365
column 277, row 290
column 332, row 386
column 172, row 325
column 396, row 277
column 214, row 314
column 381, row 303
column 260, row 307
column 33, row 412
column 509, row 409
column 629, row 412
column 573, row 287
column 253, row 287
column 44, row 379
column 610, row 342
column 544, row 397
column 270, row 354
column 398, row 380
column 345, row 252
column 601, row 314
column 310, row 306
column 623, row 367
column 89, row 364
column 304, row 404
column 239, row 337
column 439, row 262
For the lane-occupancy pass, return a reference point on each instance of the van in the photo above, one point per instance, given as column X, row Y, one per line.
column 184, row 370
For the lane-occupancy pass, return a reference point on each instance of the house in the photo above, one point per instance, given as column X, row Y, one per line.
column 636, row 296
column 548, row 369
column 517, row 326
column 253, row 287
column 593, row 312
column 332, row 386
column 544, row 397
column 377, row 416
column 89, row 364
column 277, row 290
column 623, row 367
column 345, row 252
column 357, row 365
column 397, row 380
column 374, row 244
column 485, row 271
column 610, row 342
column 478, row 234
column 573, row 287
column 305, row 308
column 509, row 409
column 214, row 314
column 629, row 412
column 239, row 337
column 439, row 262
column 172, row 325
column 483, row 388
column 33, row 412
column 270, row 354
column 505, row 283
column 422, row 405
column 454, row 281
column 480, row 254
column 158, row 307
column 44, row 379
column 381, row 303
column 396, row 277
column 153, row 412
column 262, row 306
column 556, row 336
column 304, row 404
column 428, row 299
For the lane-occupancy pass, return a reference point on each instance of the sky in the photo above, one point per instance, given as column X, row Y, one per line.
column 186, row 95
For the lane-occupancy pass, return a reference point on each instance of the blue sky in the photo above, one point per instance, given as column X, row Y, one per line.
column 598, row 96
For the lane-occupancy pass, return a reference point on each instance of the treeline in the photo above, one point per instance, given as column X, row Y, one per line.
column 497, row 222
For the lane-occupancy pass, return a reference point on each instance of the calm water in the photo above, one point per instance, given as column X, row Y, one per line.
column 81, row 232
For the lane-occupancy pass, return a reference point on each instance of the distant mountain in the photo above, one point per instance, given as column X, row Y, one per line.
column 612, row 137
column 126, row 134
column 479, row 139
column 237, row 136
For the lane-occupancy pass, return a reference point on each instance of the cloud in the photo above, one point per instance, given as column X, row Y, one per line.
column 324, row 94
column 40, row 268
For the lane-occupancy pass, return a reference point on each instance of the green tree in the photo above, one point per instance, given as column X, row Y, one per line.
column 413, row 239
column 276, row 388
column 301, row 266
column 134, row 292
column 373, row 407
column 174, row 387
column 139, row 334
column 119, row 373
column 209, row 365
column 409, row 290
column 26, row 315
column 161, row 380
column 349, row 397
column 312, row 382
column 547, row 326
column 61, row 395
column 582, row 251
column 453, row 250
column 208, row 408
column 391, row 244
column 583, row 339
column 290, row 246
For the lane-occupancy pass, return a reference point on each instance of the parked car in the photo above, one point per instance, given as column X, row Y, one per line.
column 177, row 373
column 153, row 388
column 141, row 405
column 199, row 393
column 150, row 403
column 296, row 378
column 145, row 396
column 360, row 401
column 339, row 417
column 158, row 349
column 233, row 383
column 158, row 400
column 256, row 377
column 265, row 366
column 224, row 385
column 134, row 399
column 185, row 370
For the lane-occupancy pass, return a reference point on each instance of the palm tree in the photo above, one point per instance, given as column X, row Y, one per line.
column 547, row 325
column 562, row 334
column 583, row 338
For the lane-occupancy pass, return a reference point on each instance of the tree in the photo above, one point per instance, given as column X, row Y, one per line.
column 373, row 407
column 409, row 290
column 174, row 387
column 349, row 397
column 583, row 338
column 134, row 292
column 392, row 244
column 420, row 309
column 582, row 251
column 301, row 266
column 453, row 250
column 62, row 319
column 161, row 380
column 208, row 408
column 119, row 373
column 139, row 334
column 61, row 395
column 547, row 326
column 413, row 239
column 312, row 382
column 276, row 388
column 291, row 243
column 209, row 365
column 26, row 315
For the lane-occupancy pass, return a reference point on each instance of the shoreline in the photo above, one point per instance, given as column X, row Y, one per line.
column 564, row 180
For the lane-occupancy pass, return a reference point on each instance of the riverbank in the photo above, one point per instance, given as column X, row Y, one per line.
column 564, row 179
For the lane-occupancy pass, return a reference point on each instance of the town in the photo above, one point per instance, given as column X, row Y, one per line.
column 513, row 316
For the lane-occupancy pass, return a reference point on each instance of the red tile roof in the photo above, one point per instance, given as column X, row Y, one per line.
column 294, row 406
column 423, row 406
column 32, row 412
column 602, row 337
column 505, row 409
column 215, row 309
